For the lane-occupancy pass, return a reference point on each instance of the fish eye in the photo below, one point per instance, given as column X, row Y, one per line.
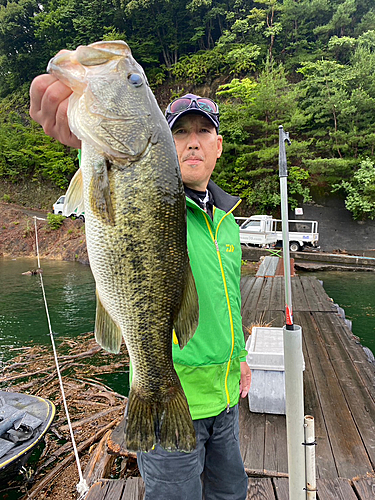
column 135, row 79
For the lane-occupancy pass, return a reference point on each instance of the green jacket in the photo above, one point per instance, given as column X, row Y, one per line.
column 209, row 365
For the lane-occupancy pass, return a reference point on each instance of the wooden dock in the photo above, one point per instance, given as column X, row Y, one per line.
column 339, row 385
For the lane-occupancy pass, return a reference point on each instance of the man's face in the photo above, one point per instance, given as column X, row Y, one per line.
column 198, row 147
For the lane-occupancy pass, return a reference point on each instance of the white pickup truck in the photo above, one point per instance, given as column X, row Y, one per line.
column 58, row 208
column 264, row 231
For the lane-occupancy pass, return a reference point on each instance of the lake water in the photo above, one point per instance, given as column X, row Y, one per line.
column 355, row 293
column 70, row 292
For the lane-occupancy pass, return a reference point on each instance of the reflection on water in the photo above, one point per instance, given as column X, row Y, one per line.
column 70, row 294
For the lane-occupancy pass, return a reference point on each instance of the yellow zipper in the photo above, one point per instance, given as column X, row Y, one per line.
column 214, row 239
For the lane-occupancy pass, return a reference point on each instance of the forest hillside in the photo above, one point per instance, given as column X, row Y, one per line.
column 308, row 65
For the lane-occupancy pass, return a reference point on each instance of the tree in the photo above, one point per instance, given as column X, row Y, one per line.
column 360, row 191
column 19, row 49
column 250, row 116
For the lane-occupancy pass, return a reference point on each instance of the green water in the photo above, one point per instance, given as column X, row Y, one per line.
column 70, row 294
column 355, row 293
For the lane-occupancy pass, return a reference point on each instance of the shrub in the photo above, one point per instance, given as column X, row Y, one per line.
column 55, row 220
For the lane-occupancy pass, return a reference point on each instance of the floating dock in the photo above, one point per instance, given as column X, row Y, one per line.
column 339, row 385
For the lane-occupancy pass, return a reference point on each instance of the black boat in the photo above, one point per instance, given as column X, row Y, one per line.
column 24, row 420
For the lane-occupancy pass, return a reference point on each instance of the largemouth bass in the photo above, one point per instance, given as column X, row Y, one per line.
column 134, row 204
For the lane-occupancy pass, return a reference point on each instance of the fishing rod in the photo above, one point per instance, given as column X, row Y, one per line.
column 293, row 357
column 283, row 174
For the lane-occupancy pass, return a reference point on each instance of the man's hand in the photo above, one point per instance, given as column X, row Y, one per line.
column 245, row 379
column 49, row 105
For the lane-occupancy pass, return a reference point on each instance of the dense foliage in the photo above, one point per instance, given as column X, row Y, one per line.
column 305, row 64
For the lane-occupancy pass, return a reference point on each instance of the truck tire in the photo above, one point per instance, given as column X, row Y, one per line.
column 294, row 246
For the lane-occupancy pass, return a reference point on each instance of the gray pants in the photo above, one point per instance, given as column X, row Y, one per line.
column 214, row 469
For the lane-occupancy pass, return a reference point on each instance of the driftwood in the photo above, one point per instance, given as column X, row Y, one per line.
column 100, row 463
column 95, row 383
column 56, row 471
column 94, row 407
column 12, row 378
column 79, row 423
column 116, row 443
column 82, row 355
column 51, row 376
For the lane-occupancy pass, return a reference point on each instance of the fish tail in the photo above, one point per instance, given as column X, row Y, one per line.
column 167, row 423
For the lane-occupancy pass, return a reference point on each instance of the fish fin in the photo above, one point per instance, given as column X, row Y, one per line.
column 152, row 422
column 74, row 195
column 107, row 332
column 187, row 319
column 100, row 193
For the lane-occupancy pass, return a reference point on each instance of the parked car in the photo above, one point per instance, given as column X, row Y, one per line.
column 58, row 208
column 59, row 205
column 263, row 230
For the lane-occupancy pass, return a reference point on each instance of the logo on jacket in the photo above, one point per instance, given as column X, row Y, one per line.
column 230, row 248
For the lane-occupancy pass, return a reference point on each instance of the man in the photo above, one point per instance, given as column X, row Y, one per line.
column 211, row 367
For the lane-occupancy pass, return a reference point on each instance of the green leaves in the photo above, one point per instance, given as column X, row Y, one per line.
column 55, row 220
column 26, row 152
column 360, row 191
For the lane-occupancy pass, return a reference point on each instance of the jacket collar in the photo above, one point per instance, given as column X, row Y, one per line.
column 222, row 200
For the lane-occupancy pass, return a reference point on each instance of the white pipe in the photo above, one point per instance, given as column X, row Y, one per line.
column 310, row 457
column 293, row 362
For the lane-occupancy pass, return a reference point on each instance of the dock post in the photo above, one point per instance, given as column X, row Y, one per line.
column 310, row 444
column 293, row 359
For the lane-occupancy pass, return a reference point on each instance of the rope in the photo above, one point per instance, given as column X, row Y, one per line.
column 82, row 486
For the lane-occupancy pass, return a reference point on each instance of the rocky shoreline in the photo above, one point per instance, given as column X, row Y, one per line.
column 17, row 239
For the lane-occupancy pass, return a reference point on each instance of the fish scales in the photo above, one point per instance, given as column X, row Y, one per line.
column 136, row 233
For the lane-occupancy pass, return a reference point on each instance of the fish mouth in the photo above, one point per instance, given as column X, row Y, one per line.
column 58, row 66
column 70, row 66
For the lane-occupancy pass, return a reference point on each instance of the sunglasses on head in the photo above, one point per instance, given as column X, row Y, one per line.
column 184, row 103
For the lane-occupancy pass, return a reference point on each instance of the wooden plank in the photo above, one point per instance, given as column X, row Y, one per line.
column 264, row 265
column 264, row 298
column 325, row 462
column 365, row 488
column 107, row 489
column 335, row 489
column 259, row 489
column 271, row 269
column 298, row 296
column 365, row 370
column 100, row 463
column 361, row 404
column 275, row 452
column 274, row 318
column 277, row 299
column 246, row 283
column 134, row 489
column 116, row 488
column 315, row 295
column 281, row 486
column 251, row 302
column 252, row 429
column 347, row 447
column 280, row 268
column 97, row 491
